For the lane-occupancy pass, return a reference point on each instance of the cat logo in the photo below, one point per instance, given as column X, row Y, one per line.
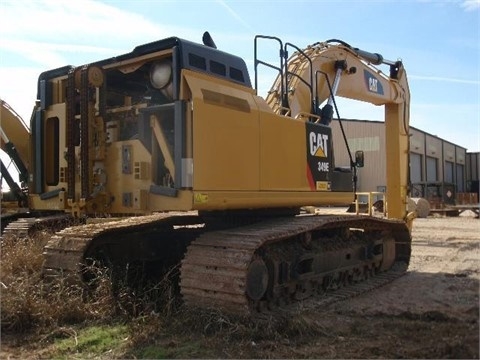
column 318, row 144
column 372, row 83
column 319, row 153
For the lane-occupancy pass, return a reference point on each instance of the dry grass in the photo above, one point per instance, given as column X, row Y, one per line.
column 157, row 325
column 48, row 311
column 30, row 303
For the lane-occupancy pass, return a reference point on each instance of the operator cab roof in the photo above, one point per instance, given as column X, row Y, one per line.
column 189, row 55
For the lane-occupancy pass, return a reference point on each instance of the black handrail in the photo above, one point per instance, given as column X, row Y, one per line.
column 279, row 69
column 308, row 84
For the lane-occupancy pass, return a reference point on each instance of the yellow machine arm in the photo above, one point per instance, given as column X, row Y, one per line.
column 15, row 137
column 333, row 68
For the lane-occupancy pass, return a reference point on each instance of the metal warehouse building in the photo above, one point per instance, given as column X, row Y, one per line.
column 439, row 169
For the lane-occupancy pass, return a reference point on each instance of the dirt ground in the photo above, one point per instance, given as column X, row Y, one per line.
column 431, row 312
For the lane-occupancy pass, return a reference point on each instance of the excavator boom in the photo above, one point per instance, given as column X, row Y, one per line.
column 15, row 142
column 324, row 70
column 15, row 139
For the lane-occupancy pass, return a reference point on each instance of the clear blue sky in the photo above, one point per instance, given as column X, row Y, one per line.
column 438, row 41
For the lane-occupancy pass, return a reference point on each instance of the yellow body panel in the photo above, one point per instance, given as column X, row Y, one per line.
column 223, row 200
column 55, row 203
column 244, row 155
column 226, row 137
column 283, row 154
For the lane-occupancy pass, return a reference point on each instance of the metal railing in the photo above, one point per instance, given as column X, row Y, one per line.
column 370, row 201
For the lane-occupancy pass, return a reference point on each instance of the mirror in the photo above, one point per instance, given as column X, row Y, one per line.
column 359, row 158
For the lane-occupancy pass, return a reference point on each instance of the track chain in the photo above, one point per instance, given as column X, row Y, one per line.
column 327, row 298
column 215, row 268
column 25, row 227
column 65, row 251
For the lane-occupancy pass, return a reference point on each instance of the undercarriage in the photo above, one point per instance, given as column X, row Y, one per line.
column 249, row 269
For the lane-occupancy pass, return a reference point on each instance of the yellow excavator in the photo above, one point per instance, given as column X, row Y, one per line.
column 166, row 156
column 14, row 203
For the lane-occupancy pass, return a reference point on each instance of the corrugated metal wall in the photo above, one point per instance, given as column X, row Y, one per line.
column 432, row 159
column 369, row 137
column 473, row 166
column 473, row 173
